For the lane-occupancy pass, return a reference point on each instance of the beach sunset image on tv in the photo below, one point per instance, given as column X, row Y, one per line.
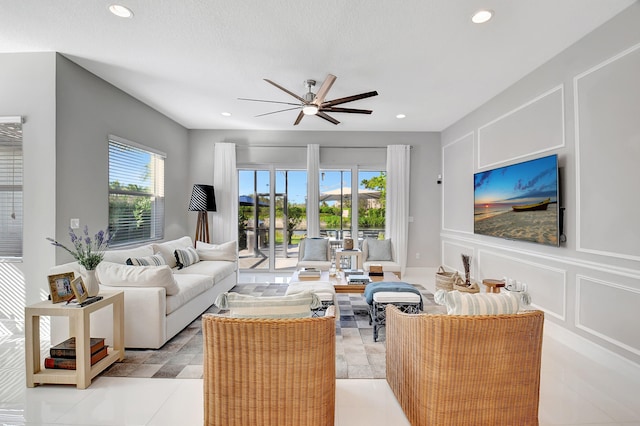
column 519, row 202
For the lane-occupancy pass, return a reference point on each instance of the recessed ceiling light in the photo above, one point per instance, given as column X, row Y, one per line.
column 226, row 114
column 482, row 16
column 121, row 11
column 400, row 116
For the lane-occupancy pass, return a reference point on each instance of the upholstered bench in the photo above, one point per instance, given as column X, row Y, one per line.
column 325, row 291
column 400, row 294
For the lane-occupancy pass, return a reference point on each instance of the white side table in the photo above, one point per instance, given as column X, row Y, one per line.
column 79, row 326
column 347, row 253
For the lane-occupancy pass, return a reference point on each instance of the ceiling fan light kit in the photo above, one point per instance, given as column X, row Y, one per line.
column 314, row 103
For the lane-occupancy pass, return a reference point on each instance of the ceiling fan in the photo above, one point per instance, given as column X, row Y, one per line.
column 314, row 103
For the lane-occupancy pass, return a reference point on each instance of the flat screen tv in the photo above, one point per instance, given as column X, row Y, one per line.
column 519, row 202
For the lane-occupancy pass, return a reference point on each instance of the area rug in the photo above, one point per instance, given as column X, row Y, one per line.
column 357, row 355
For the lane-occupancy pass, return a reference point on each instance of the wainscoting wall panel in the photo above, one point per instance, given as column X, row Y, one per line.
column 618, row 325
column 457, row 178
column 606, row 112
column 452, row 256
column 547, row 285
column 532, row 128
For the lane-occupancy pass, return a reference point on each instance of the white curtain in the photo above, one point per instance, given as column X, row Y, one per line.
column 397, row 203
column 313, row 190
column 225, row 183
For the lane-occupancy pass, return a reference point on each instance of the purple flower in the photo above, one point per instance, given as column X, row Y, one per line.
column 88, row 253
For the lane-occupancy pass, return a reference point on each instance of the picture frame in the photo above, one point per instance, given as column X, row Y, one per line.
column 79, row 289
column 60, row 287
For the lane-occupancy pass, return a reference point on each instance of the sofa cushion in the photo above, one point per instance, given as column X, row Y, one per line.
column 315, row 249
column 121, row 256
column 460, row 303
column 168, row 248
column 379, row 250
column 116, row 275
column 225, row 251
column 219, row 270
column 190, row 285
column 186, row 257
column 154, row 260
column 246, row 306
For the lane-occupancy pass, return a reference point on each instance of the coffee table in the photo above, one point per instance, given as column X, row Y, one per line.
column 339, row 282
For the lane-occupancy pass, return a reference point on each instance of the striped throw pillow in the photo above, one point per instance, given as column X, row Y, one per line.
column 155, row 260
column 246, row 306
column 459, row 303
column 186, row 257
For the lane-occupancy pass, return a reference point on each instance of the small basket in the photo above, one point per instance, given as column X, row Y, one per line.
column 444, row 279
column 460, row 285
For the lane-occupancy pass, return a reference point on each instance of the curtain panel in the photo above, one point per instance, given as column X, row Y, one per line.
column 313, row 190
column 397, row 202
column 225, row 183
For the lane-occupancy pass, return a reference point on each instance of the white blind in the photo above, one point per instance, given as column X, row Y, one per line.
column 10, row 190
column 136, row 192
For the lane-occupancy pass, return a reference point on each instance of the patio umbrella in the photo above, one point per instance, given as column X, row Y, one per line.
column 246, row 200
column 363, row 194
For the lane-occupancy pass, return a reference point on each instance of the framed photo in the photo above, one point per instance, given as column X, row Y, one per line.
column 79, row 290
column 60, row 287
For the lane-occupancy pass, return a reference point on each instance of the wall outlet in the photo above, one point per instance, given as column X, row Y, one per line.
column 74, row 223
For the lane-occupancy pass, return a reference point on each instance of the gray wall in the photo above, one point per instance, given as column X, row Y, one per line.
column 275, row 147
column 88, row 110
column 583, row 105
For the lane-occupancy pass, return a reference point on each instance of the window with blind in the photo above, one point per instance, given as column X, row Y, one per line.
column 136, row 192
column 10, row 188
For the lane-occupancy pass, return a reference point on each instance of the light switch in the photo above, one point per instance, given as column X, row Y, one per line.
column 74, row 223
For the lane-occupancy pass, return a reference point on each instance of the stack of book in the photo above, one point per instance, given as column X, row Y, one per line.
column 349, row 272
column 309, row 273
column 63, row 355
column 358, row 279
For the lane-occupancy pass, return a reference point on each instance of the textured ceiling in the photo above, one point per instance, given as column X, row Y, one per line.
column 192, row 59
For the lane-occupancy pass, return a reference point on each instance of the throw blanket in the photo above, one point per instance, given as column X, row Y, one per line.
column 398, row 286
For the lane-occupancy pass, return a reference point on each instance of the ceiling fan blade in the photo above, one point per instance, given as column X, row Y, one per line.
column 326, row 117
column 351, row 110
column 286, row 91
column 271, row 102
column 298, row 119
column 324, row 89
column 349, row 99
column 275, row 112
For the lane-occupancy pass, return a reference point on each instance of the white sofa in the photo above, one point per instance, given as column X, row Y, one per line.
column 159, row 301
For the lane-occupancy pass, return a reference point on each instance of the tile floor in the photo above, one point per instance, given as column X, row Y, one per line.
column 575, row 391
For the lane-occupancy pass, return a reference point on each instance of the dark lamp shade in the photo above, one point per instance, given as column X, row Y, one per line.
column 203, row 199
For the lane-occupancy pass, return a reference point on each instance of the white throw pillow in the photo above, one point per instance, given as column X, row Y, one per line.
column 379, row 250
column 225, row 251
column 168, row 249
column 246, row 306
column 186, row 257
column 116, row 275
column 460, row 303
column 121, row 256
column 315, row 249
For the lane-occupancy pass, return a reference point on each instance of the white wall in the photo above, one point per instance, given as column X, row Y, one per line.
column 583, row 105
column 27, row 88
column 267, row 147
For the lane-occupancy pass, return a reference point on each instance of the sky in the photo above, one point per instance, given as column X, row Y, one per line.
column 530, row 181
column 297, row 180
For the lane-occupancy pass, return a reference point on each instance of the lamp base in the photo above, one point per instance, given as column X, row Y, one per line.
column 202, row 228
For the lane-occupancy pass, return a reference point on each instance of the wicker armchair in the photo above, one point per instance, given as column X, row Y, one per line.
column 269, row 371
column 465, row 370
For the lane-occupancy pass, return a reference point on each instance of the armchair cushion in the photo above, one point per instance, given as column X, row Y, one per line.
column 459, row 303
column 315, row 249
column 291, row 306
column 379, row 250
